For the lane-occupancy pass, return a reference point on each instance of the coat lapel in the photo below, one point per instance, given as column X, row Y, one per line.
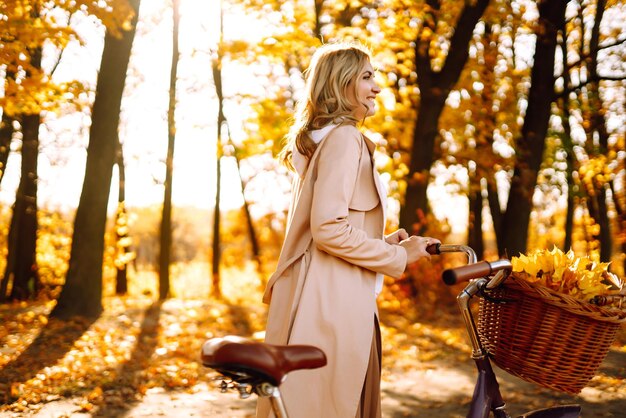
column 380, row 188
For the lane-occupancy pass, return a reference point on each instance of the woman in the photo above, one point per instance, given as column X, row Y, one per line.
column 334, row 256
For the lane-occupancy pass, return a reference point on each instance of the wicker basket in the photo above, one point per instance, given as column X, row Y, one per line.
column 545, row 337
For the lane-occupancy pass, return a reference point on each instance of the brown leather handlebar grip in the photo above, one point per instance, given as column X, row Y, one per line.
column 466, row 273
column 433, row 249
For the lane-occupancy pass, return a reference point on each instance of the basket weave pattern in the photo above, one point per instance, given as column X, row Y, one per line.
column 546, row 337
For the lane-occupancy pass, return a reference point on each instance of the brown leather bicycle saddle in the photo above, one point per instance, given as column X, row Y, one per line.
column 248, row 361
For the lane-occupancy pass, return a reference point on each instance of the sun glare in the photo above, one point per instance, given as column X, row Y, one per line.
column 143, row 127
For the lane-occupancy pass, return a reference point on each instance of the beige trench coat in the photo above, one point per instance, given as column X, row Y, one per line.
column 323, row 290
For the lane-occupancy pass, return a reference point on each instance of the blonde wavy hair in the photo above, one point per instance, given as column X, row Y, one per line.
column 334, row 68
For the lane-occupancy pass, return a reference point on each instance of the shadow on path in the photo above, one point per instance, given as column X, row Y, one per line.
column 128, row 377
column 51, row 345
column 614, row 364
column 239, row 318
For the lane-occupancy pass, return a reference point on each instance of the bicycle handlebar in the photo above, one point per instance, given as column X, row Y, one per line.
column 436, row 249
column 474, row 271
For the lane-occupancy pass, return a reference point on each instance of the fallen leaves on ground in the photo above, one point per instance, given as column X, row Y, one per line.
column 138, row 345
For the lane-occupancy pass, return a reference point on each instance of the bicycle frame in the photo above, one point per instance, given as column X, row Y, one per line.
column 487, row 397
column 278, row 406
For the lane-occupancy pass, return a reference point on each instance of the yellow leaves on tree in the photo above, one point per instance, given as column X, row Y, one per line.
column 37, row 92
column 54, row 245
column 579, row 277
column 26, row 26
column 595, row 173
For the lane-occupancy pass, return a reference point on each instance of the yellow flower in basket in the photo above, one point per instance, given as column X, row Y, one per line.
column 579, row 277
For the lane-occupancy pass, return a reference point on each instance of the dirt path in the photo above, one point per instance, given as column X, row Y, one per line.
column 434, row 390
column 445, row 392
column 426, row 371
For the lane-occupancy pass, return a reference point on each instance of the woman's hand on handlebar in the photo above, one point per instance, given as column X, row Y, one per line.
column 415, row 247
column 397, row 237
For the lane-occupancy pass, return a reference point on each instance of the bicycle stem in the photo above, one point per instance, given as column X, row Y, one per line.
column 463, row 300
column 465, row 296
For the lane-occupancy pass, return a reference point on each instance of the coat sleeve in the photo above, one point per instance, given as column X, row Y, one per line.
column 337, row 171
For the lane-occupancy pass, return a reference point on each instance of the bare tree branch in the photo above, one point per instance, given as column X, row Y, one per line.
column 582, row 84
column 58, row 61
column 584, row 57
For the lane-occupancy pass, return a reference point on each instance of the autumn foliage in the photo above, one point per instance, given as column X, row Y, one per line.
column 459, row 128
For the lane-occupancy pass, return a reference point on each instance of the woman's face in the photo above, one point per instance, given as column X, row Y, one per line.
column 366, row 90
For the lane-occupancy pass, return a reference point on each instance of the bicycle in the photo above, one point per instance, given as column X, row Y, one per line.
column 484, row 276
column 259, row 368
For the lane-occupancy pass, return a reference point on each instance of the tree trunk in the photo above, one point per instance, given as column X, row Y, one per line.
column 434, row 89
column 166, row 217
column 570, row 157
column 485, row 158
column 216, row 289
column 21, row 267
column 475, row 221
column 82, row 292
column 597, row 126
column 432, row 102
column 121, row 228
column 317, row 30
column 23, row 233
column 598, row 210
column 254, row 242
column 620, row 210
column 6, row 134
column 221, row 119
column 570, row 160
column 493, row 199
column 530, row 146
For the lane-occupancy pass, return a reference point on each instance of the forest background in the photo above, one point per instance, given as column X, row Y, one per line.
column 137, row 146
